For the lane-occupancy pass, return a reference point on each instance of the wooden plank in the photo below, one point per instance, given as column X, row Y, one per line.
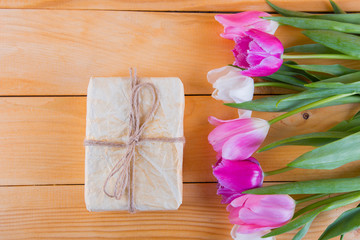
column 41, row 140
column 55, row 52
column 180, row 5
column 58, row 212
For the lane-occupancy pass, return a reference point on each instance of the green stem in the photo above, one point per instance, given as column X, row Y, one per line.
column 322, row 56
column 281, row 170
column 308, row 106
column 231, row 65
column 312, row 197
column 280, row 85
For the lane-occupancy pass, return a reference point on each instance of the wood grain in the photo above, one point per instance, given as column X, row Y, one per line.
column 55, row 52
column 41, row 140
column 58, row 212
column 180, row 5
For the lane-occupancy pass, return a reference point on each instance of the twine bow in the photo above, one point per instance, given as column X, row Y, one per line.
column 124, row 168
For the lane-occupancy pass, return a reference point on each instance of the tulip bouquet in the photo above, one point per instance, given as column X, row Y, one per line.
column 263, row 212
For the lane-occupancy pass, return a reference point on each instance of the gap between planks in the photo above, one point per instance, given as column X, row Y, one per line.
column 45, row 136
column 81, row 184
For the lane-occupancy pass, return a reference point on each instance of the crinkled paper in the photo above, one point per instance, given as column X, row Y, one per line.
column 158, row 165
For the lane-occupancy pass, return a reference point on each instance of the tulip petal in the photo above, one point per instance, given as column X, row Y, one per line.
column 244, row 113
column 236, row 24
column 227, row 195
column 242, row 146
column 267, row 67
column 216, row 121
column 235, row 234
column 249, row 228
column 239, row 175
column 258, row 52
column 224, row 132
column 230, row 85
column 240, row 51
column 260, row 212
column 269, row 43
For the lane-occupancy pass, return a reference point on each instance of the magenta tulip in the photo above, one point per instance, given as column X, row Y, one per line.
column 255, row 213
column 237, row 24
column 237, row 139
column 259, row 53
column 235, row 177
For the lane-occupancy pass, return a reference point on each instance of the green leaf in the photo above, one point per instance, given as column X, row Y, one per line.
column 295, row 223
column 310, row 48
column 303, row 231
column 348, row 125
column 352, row 86
column 356, row 116
column 346, row 78
column 317, row 24
column 286, row 12
column 324, row 202
column 286, row 67
column 311, row 187
column 300, row 221
column 318, row 93
column 336, row 8
column 346, row 18
column 332, row 155
column 268, row 104
column 346, row 222
column 311, row 139
column 349, row 18
column 354, row 129
column 286, row 78
column 342, row 42
column 336, row 69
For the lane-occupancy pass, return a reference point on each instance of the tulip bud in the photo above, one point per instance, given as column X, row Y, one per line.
column 255, row 213
column 237, row 139
column 259, row 53
column 250, row 236
column 231, row 86
column 234, row 177
column 237, row 24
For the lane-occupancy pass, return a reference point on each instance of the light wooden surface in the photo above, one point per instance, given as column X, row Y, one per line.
column 58, row 212
column 105, row 43
column 48, row 51
column 44, row 135
column 180, row 5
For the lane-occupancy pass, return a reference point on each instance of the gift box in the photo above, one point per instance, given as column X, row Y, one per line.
column 125, row 170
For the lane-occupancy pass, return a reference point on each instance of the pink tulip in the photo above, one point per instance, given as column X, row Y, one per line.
column 259, row 53
column 236, row 24
column 235, row 177
column 237, row 139
column 255, row 213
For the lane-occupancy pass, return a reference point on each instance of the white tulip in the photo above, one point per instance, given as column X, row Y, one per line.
column 251, row 236
column 232, row 87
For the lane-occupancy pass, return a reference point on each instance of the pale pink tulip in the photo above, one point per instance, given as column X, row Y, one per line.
column 237, row 139
column 232, row 87
column 237, row 24
column 250, row 236
column 255, row 213
column 259, row 53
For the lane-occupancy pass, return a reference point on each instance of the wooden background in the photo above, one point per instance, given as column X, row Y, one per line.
column 48, row 51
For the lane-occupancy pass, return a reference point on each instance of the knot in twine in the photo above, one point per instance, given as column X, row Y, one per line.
column 124, row 168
